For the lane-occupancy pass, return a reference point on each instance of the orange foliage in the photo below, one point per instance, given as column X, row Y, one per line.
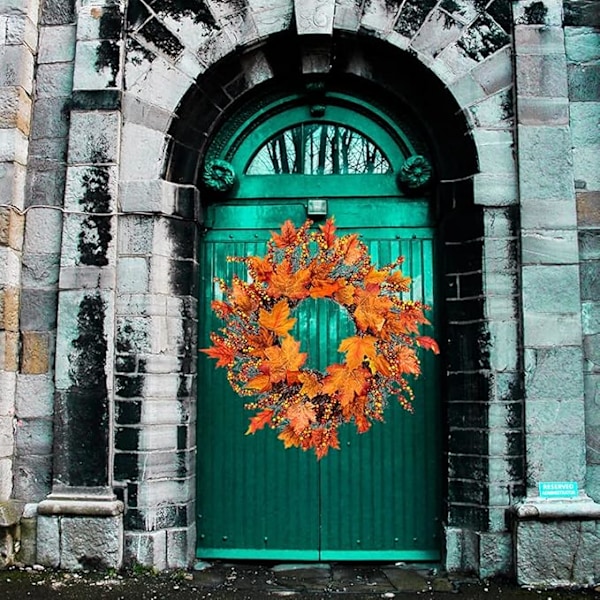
column 264, row 360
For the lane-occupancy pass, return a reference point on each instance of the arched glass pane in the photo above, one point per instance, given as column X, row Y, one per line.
column 319, row 149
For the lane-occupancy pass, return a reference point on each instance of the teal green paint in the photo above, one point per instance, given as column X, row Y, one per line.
column 379, row 497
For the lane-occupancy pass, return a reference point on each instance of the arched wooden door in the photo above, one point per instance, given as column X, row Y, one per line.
column 379, row 497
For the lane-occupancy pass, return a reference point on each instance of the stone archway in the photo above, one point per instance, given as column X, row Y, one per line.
column 182, row 69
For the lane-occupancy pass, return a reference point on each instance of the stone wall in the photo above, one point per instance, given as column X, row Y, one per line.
column 100, row 157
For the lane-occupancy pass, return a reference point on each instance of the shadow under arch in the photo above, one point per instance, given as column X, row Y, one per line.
column 410, row 93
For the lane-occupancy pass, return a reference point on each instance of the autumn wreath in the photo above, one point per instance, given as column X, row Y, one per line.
column 263, row 359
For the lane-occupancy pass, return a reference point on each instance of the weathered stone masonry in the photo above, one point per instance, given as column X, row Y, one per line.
column 107, row 107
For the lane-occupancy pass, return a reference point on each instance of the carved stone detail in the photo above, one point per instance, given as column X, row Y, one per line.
column 314, row 16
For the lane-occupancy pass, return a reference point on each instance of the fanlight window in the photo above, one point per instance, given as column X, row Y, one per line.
column 319, row 149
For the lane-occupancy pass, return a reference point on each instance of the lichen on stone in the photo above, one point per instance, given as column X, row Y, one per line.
column 413, row 15
column 535, row 13
column 483, row 38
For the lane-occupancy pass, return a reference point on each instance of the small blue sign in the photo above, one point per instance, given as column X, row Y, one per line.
column 558, row 489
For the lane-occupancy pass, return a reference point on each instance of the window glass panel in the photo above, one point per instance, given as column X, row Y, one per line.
column 319, row 149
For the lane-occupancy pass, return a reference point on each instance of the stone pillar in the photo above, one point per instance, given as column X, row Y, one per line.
column 82, row 499
column 18, row 42
column 552, row 332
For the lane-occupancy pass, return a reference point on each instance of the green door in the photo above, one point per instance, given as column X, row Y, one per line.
column 379, row 497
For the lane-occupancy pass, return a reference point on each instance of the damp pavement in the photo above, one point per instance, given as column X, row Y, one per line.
column 249, row 581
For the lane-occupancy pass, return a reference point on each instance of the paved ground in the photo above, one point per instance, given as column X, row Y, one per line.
column 257, row 582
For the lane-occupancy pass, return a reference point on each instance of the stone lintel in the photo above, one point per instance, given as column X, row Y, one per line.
column 582, row 508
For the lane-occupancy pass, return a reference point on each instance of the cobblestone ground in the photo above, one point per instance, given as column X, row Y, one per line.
column 257, row 582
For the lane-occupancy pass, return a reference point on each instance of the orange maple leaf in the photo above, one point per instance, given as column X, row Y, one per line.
column 329, row 232
column 358, row 348
column 287, row 236
column 260, row 383
column 240, row 296
column 345, row 382
column 381, row 365
column 221, row 351
column 221, row 309
column 260, row 420
column 352, row 249
column 428, row 343
column 300, row 415
column 371, row 308
column 406, row 360
column 375, row 276
column 321, row 440
column 278, row 319
column 289, row 437
column 283, row 359
column 261, row 268
column 263, row 339
column 397, row 281
column 324, row 288
column 284, row 282
column 311, row 385
column 345, row 295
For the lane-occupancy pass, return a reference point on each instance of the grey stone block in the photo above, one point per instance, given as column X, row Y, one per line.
column 34, row 436
column 93, row 137
column 589, row 245
column 47, row 186
column 35, row 396
column 495, row 554
column 38, row 309
column 180, row 547
column 54, row 80
column 50, row 118
column 548, row 174
column 590, row 317
column 549, row 247
column 33, row 477
column 48, row 541
column 582, row 44
column 57, row 12
column 40, row 270
column 554, row 373
column 47, row 154
column 88, row 542
column 135, row 235
column 556, row 457
column 554, row 416
column 147, row 548
column 551, row 329
column 42, row 231
column 142, row 113
column 543, row 111
column 584, row 81
column 57, row 44
column 590, row 280
column 549, row 288
column 558, row 553
column 27, row 553
column 553, row 213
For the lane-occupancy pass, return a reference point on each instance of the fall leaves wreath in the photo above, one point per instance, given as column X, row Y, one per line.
column 263, row 359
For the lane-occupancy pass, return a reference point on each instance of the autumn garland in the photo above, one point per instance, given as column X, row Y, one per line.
column 263, row 359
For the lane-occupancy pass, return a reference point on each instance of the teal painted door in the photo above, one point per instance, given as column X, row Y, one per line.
column 379, row 497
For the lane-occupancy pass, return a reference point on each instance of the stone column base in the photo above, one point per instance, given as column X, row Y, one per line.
column 557, row 542
column 80, row 531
